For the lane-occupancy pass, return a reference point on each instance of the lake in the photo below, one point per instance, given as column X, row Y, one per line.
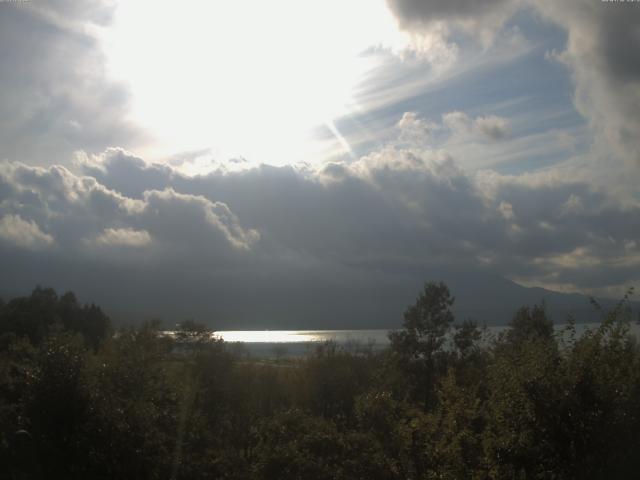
column 288, row 343
column 299, row 342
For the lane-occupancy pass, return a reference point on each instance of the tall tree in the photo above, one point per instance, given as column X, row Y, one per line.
column 418, row 347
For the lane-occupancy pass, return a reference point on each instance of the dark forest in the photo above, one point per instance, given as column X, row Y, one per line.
column 79, row 399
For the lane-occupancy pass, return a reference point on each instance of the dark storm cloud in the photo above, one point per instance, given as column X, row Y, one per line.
column 395, row 202
column 620, row 47
column 54, row 90
column 603, row 54
column 352, row 241
column 480, row 19
column 417, row 12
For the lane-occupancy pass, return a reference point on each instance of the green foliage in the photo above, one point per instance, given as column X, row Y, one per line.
column 333, row 378
column 459, row 424
column 418, row 348
column 438, row 404
column 133, row 406
column 530, row 323
column 467, row 338
column 425, row 323
column 17, row 374
column 34, row 316
column 293, row 444
column 392, row 425
column 57, row 404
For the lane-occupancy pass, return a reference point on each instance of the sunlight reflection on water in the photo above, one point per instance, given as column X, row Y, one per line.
column 302, row 336
column 379, row 337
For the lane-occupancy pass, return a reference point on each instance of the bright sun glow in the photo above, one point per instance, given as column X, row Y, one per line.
column 243, row 78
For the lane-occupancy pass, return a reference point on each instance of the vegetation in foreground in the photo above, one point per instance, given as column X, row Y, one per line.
column 78, row 400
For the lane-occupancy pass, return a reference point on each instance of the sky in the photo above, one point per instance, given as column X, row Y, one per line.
column 261, row 162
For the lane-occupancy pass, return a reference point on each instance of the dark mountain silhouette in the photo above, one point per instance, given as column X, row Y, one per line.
column 492, row 300
column 307, row 304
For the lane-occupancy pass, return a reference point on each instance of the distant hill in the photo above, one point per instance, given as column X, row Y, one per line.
column 326, row 303
column 492, row 300
column 485, row 298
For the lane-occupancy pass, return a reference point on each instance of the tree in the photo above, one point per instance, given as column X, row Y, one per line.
column 30, row 316
column 418, row 347
column 467, row 337
column 530, row 323
column 34, row 316
column 57, row 403
column 193, row 334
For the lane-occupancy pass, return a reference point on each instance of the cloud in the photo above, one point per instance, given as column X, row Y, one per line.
column 506, row 210
column 55, row 92
column 116, row 166
column 602, row 53
column 415, row 129
column 413, row 204
column 294, row 239
column 493, row 127
column 459, row 123
column 190, row 220
column 76, row 208
column 481, row 19
column 433, row 47
column 22, row 233
column 127, row 237
column 420, row 12
column 284, row 241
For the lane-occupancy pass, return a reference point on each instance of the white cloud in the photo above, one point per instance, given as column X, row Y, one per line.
column 22, row 233
column 432, row 46
column 506, row 210
column 493, row 127
column 61, row 99
column 77, row 208
column 458, row 122
column 414, row 129
column 127, row 237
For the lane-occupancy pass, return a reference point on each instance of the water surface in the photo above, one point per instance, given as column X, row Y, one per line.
column 299, row 342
